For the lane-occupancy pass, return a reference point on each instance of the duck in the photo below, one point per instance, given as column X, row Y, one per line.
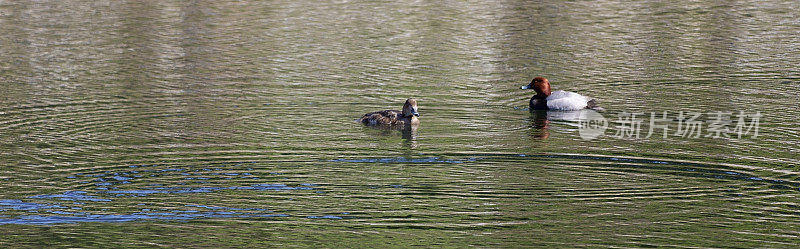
column 406, row 117
column 557, row 100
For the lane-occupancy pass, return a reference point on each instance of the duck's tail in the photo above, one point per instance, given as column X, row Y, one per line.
column 592, row 104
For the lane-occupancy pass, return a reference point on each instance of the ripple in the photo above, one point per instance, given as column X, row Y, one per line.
column 237, row 116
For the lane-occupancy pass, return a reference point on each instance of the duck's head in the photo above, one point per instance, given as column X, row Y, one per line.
column 410, row 108
column 540, row 85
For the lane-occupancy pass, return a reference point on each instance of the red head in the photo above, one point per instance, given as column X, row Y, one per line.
column 540, row 85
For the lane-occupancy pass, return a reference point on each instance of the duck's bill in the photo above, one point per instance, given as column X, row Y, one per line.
column 414, row 111
column 525, row 87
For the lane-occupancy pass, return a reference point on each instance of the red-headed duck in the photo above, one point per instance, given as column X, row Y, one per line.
column 408, row 116
column 558, row 100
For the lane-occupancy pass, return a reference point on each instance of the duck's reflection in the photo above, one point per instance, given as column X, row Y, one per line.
column 408, row 133
column 410, row 136
column 540, row 124
column 540, row 120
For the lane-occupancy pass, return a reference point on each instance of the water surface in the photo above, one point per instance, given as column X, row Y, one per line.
column 230, row 123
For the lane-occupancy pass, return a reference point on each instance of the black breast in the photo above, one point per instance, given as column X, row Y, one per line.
column 538, row 103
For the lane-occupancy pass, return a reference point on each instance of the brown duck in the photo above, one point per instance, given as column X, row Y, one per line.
column 408, row 116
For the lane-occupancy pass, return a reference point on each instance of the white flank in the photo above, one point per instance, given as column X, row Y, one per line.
column 566, row 101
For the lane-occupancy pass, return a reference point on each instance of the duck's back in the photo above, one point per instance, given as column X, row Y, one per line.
column 567, row 101
column 387, row 117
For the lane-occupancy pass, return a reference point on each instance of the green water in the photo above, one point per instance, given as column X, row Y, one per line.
column 231, row 124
